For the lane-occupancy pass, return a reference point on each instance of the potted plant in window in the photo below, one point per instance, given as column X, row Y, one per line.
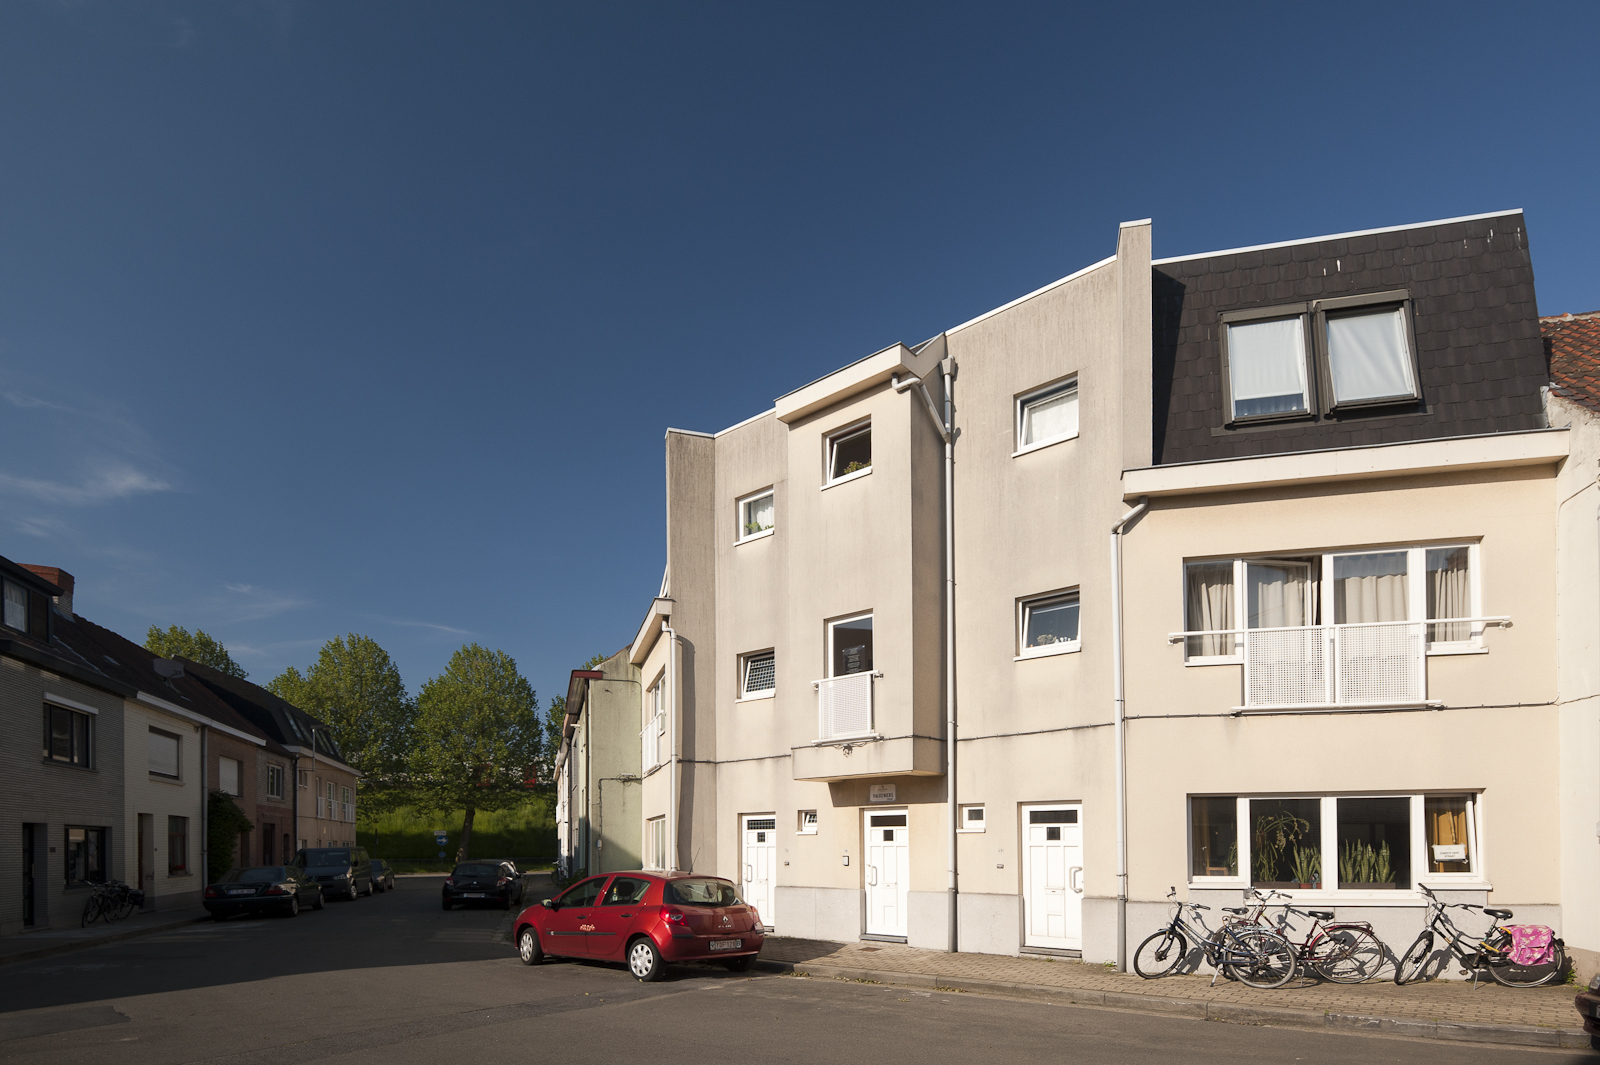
column 1271, row 838
column 854, row 467
column 1307, row 867
column 1361, row 865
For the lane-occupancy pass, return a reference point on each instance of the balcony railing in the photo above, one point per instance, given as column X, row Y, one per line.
column 844, row 707
column 1373, row 664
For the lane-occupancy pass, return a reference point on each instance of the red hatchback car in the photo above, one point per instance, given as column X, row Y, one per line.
column 647, row 920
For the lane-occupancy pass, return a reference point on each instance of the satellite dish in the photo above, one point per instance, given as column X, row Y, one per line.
column 166, row 667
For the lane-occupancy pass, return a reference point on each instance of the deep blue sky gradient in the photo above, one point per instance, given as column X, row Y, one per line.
column 320, row 317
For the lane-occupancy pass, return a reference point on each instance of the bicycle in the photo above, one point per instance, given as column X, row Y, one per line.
column 1341, row 952
column 1256, row 957
column 110, row 900
column 1489, row 953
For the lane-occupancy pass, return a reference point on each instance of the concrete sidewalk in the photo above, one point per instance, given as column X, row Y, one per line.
column 1438, row 1009
column 48, row 941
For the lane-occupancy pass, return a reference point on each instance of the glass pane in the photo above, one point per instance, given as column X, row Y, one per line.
column 852, row 647
column 851, row 453
column 1375, row 843
column 61, row 734
column 759, row 673
column 1449, row 593
column 1370, row 588
column 1285, row 842
column 1052, row 622
column 1214, row 836
column 1368, row 357
column 16, row 615
column 1276, row 595
column 1267, row 367
column 1445, row 828
column 80, row 739
column 757, row 515
column 1050, row 416
column 1208, row 605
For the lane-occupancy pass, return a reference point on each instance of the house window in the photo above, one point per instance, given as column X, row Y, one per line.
column 1266, row 365
column 228, row 773
column 274, row 783
column 850, row 646
column 1362, row 843
column 1369, row 358
column 655, row 724
column 849, row 452
column 656, row 840
column 808, row 822
column 1047, row 415
column 177, row 846
column 164, row 748
column 758, row 676
column 972, row 819
column 302, row 778
column 85, row 855
column 66, row 736
column 25, row 610
column 756, row 515
column 1048, row 624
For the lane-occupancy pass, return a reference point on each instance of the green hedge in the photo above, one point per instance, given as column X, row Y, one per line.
column 526, row 831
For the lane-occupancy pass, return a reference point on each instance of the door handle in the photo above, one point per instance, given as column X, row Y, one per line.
column 1074, row 878
column 749, row 874
column 627, row 915
column 872, row 876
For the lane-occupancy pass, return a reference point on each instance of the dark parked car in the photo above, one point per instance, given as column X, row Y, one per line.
column 646, row 920
column 342, row 871
column 281, row 889
column 1588, row 1003
column 483, row 882
column 382, row 875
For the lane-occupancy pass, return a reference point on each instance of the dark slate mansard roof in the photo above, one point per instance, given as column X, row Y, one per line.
column 281, row 720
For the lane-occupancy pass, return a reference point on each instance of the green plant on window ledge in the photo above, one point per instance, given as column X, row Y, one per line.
column 855, row 467
column 753, row 527
column 1307, row 866
column 1272, row 836
column 1365, row 865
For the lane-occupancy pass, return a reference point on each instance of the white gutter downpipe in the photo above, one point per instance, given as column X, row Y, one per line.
column 672, row 746
column 946, row 429
column 1119, row 710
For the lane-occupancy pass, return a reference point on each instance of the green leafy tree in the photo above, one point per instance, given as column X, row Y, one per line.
column 478, row 737
column 197, row 646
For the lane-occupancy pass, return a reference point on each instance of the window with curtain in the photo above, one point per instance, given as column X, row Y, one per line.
column 1047, row 416
column 16, row 607
column 1447, row 830
column 1267, row 367
column 1208, row 606
column 1277, row 594
column 756, row 515
column 1050, row 623
column 228, row 776
column 1449, row 593
column 1370, row 587
column 1369, row 357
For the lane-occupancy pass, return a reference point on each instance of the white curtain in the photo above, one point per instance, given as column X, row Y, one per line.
column 1449, row 593
column 1277, row 595
column 758, row 515
column 1050, row 417
column 1267, row 366
column 1208, row 605
column 1368, row 357
column 1370, row 588
column 16, row 615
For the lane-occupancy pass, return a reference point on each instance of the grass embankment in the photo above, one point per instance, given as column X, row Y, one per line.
column 404, row 836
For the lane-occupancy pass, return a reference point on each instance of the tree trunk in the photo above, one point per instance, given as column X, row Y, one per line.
column 466, row 835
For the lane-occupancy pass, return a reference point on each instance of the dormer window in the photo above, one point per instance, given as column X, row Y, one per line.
column 26, row 610
column 1266, row 361
column 1368, row 351
column 849, row 452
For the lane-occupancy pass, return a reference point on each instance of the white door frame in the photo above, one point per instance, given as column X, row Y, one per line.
column 874, row 879
column 767, row 903
column 1057, row 887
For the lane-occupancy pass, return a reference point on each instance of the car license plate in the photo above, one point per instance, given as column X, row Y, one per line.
column 241, row 891
column 473, row 895
column 726, row 944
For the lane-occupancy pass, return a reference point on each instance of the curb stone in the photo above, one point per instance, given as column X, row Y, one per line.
column 1223, row 1012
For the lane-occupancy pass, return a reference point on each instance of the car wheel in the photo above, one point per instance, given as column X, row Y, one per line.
column 447, row 904
column 528, row 948
column 321, row 902
column 293, row 909
column 741, row 964
column 644, row 960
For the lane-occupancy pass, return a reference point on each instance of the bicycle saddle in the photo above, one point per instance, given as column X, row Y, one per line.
column 1321, row 915
column 1240, row 910
column 1504, row 915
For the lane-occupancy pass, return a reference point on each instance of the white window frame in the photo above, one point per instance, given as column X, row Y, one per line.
column 275, row 772
column 656, row 837
column 1308, row 375
column 806, row 823
column 1416, row 593
column 1025, row 608
column 655, row 724
column 1027, row 399
column 833, row 626
column 832, row 441
column 745, row 692
column 1329, row 845
column 965, row 825
column 741, row 519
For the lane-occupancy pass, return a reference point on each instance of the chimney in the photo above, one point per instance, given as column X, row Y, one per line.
column 61, row 579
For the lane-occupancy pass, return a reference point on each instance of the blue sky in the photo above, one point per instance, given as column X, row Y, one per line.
column 341, row 316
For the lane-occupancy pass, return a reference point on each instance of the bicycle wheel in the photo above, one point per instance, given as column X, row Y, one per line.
column 1409, row 968
column 91, row 911
column 1160, row 954
column 1504, row 972
column 1261, row 959
column 125, row 905
column 1347, row 955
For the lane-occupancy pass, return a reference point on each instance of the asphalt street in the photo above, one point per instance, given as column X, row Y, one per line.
column 394, row 980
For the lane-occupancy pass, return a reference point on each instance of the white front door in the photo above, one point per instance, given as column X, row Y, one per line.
column 887, row 872
column 760, row 866
column 1052, row 872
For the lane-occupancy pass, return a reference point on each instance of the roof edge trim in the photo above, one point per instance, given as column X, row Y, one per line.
column 1334, row 236
column 1107, row 261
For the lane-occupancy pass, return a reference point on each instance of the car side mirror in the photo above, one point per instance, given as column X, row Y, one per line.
column 550, row 904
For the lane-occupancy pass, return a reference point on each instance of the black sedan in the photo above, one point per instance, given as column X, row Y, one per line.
column 382, row 875
column 482, row 882
column 281, row 889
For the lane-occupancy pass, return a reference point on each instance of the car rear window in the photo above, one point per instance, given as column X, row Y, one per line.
column 320, row 858
column 477, row 870
column 698, row 892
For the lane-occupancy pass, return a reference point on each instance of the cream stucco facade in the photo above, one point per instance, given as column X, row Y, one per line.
column 164, row 833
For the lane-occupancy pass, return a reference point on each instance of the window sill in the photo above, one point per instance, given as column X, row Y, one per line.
column 1055, row 649
column 969, row 831
column 1268, row 419
column 813, row 832
column 68, row 765
column 1218, row 660
column 1398, row 897
column 1445, row 652
column 176, row 782
column 1041, row 445
column 847, row 478
column 758, row 697
column 756, row 536
column 1333, row 708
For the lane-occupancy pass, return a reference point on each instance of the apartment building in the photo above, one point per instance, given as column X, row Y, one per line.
column 1325, row 474
column 597, row 769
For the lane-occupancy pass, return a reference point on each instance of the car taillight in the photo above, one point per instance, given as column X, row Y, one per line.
column 675, row 916
column 502, row 882
column 275, row 889
column 213, row 893
column 755, row 915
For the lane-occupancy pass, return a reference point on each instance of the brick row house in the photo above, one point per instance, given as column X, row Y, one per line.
column 132, row 747
column 1243, row 569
